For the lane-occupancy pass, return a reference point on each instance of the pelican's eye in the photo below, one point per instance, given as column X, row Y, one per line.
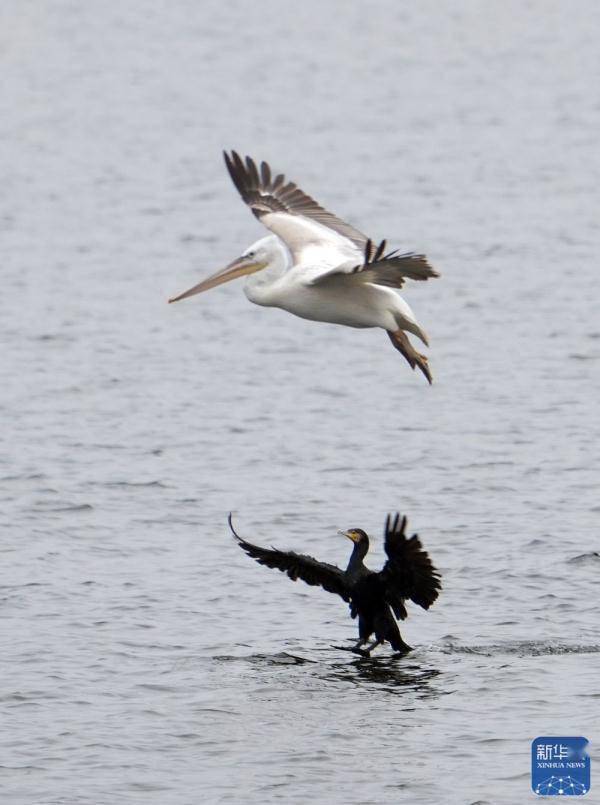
column 249, row 254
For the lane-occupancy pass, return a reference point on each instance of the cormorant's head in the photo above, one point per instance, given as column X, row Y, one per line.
column 357, row 535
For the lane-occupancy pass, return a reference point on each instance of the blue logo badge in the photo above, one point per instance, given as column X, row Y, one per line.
column 560, row 767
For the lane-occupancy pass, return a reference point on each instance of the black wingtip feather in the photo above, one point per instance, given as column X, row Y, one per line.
column 265, row 172
column 409, row 568
column 233, row 531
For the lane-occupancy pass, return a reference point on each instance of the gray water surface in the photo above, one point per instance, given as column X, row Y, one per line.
column 145, row 658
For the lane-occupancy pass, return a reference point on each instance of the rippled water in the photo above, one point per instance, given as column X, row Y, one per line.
column 145, row 657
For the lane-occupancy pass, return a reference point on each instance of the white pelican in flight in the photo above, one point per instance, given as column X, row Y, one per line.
column 316, row 266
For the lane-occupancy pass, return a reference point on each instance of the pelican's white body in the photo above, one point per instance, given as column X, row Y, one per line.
column 318, row 293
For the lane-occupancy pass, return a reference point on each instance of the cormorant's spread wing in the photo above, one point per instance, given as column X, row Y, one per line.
column 298, row 566
column 408, row 572
column 379, row 268
column 291, row 214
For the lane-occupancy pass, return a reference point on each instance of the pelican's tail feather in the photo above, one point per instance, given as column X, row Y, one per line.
column 400, row 340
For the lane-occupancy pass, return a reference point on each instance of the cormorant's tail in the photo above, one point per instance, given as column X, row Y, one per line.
column 400, row 340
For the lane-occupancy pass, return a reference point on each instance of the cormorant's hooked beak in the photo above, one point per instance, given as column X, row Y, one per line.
column 350, row 534
column 239, row 267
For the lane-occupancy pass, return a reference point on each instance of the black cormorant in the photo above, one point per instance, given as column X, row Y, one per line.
column 374, row 597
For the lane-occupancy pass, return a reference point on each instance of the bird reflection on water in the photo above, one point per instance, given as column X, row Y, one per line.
column 392, row 673
column 388, row 672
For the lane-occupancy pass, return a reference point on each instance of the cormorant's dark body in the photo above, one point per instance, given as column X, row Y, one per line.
column 374, row 597
column 374, row 613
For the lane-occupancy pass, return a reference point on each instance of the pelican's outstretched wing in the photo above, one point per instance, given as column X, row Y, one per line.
column 290, row 213
column 298, row 566
column 389, row 269
column 408, row 572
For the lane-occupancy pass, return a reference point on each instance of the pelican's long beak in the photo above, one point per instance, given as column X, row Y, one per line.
column 239, row 267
